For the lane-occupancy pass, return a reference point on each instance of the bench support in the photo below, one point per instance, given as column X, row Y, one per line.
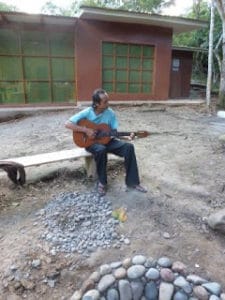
column 90, row 167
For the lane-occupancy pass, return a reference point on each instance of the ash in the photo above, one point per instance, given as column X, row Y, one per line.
column 79, row 222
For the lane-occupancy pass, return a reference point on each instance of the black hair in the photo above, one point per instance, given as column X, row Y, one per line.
column 96, row 97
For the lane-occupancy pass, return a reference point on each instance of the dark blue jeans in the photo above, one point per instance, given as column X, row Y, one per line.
column 122, row 149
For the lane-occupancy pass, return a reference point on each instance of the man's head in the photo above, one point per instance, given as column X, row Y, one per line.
column 100, row 100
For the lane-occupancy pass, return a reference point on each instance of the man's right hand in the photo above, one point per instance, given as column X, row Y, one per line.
column 91, row 133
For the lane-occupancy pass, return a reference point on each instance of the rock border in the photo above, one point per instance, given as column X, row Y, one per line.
column 142, row 278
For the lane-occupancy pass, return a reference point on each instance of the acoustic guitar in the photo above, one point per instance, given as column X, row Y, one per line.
column 103, row 134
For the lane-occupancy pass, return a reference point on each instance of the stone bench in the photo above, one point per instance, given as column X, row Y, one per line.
column 46, row 158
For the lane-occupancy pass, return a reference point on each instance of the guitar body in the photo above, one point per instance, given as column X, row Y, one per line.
column 103, row 134
column 83, row 141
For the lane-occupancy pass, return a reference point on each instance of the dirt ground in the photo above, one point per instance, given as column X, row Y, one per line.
column 181, row 164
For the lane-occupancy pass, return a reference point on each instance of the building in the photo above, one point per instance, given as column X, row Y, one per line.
column 52, row 60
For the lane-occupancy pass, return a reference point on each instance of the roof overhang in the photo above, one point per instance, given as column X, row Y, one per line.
column 16, row 17
column 190, row 49
column 177, row 24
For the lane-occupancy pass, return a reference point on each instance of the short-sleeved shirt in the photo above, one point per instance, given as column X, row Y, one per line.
column 108, row 117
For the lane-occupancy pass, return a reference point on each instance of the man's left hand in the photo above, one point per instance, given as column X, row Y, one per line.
column 132, row 136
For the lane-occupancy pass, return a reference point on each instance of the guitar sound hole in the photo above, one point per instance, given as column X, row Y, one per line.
column 99, row 134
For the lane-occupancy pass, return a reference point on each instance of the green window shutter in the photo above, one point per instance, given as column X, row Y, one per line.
column 121, row 87
column 61, row 44
column 10, row 68
column 134, row 88
column 135, row 50
column 108, row 62
column 11, row 92
column 9, row 42
column 36, row 68
column 107, row 48
column 121, row 76
column 121, row 62
column 34, row 43
column 147, row 64
column 108, row 86
column 127, row 68
column 63, row 91
column 62, row 69
column 148, row 51
column 108, row 75
column 146, row 76
column 135, row 63
column 134, row 76
column 38, row 92
column 121, row 49
column 146, row 88
column 36, row 64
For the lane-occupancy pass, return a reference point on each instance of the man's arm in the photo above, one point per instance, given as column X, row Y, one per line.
column 72, row 126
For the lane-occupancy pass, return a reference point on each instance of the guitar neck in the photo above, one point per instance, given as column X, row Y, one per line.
column 113, row 133
column 123, row 133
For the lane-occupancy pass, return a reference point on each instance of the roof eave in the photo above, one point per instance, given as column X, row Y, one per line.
column 177, row 24
column 12, row 17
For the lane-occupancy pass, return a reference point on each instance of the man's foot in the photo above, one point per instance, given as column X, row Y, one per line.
column 138, row 188
column 101, row 189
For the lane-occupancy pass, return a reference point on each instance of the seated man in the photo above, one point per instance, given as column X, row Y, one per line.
column 100, row 113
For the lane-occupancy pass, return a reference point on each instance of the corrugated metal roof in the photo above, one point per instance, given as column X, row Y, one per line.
column 177, row 24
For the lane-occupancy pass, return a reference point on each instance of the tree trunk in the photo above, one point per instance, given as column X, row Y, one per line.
column 210, row 56
column 220, row 5
column 222, row 76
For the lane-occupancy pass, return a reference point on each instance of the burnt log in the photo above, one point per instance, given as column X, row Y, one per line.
column 15, row 171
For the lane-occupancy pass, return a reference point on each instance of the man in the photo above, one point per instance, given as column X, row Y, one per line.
column 100, row 113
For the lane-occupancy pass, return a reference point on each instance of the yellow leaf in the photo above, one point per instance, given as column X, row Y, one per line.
column 120, row 214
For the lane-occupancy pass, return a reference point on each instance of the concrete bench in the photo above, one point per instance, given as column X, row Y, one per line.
column 46, row 158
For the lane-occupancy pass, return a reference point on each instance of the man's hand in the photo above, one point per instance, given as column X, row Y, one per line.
column 132, row 136
column 91, row 133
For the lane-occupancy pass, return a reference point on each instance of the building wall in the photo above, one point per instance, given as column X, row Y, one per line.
column 88, row 44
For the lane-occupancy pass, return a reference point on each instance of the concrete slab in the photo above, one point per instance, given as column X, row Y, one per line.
column 16, row 112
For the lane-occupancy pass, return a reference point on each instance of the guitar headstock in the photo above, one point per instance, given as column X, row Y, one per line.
column 142, row 133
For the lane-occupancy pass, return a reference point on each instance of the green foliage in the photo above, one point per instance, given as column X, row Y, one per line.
column 50, row 8
column 200, row 39
column 6, row 7
column 148, row 6
column 197, row 38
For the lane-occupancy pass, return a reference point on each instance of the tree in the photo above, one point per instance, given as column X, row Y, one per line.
column 220, row 5
column 50, row 8
column 210, row 56
column 149, row 6
column 200, row 39
column 152, row 6
column 6, row 7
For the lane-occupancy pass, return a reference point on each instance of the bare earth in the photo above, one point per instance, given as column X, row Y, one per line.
column 182, row 165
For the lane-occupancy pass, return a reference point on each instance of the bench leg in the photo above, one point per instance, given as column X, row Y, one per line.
column 90, row 167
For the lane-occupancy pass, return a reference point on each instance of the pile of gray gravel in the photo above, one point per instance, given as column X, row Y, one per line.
column 76, row 222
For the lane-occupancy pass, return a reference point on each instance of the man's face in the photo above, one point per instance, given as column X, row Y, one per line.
column 104, row 103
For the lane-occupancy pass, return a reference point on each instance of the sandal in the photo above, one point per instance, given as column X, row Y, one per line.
column 138, row 188
column 101, row 189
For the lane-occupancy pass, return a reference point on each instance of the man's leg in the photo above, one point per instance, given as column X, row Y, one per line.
column 100, row 155
column 127, row 151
